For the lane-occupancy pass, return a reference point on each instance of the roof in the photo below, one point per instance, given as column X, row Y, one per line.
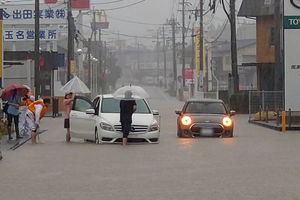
column 256, row 8
column 205, row 100
column 105, row 95
column 226, row 46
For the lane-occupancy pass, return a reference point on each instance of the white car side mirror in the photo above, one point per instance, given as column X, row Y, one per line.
column 155, row 112
column 90, row 111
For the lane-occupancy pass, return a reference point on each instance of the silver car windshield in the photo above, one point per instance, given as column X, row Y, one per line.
column 205, row 108
column 111, row 105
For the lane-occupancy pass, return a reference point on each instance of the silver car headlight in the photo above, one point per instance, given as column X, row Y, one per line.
column 106, row 126
column 154, row 127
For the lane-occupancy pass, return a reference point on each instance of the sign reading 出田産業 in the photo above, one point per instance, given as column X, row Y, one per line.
column 291, row 25
column 25, row 14
column 23, row 34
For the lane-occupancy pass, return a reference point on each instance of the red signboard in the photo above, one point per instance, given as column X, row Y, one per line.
column 80, row 4
column 50, row 1
column 188, row 73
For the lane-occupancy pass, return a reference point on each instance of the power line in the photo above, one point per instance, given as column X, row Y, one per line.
column 110, row 2
column 220, row 34
column 134, row 22
column 121, row 7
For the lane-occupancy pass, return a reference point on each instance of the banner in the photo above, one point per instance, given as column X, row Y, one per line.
column 23, row 34
column 197, row 50
column 80, row 4
column 291, row 24
column 197, row 53
column 25, row 14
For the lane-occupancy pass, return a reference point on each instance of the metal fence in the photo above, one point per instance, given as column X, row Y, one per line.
column 265, row 105
column 206, row 95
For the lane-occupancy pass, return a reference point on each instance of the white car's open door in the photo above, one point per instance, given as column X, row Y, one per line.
column 82, row 125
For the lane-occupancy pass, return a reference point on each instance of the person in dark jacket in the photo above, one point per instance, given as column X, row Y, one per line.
column 127, row 108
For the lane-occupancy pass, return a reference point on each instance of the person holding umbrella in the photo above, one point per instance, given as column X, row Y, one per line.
column 127, row 108
column 13, row 114
column 12, row 94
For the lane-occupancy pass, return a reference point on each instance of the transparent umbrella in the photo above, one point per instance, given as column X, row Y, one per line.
column 75, row 85
column 130, row 92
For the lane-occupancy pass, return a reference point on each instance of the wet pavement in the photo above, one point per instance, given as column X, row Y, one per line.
column 258, row 163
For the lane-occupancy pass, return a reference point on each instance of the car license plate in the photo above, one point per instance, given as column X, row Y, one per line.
column 206, row 132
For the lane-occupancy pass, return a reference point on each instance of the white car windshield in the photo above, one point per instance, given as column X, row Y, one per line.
column 111, row 105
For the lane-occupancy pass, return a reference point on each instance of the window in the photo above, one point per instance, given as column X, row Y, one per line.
column 96, row 105
column 205, row 108
column 111, row 105
column 82, row 105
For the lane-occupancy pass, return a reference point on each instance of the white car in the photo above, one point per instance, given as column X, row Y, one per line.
column 99, row 121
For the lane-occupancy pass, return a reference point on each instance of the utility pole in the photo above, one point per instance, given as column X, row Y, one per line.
column 37, row 84
column 104, row 67
column 173, row 24
column 278, row 72
column 165, row 57
column 138, row 59
column 193, row 64
column 89, row 63
column 157, row 51
column 201, row 57
column 70, row 39
column 234, row 47
column 183, row 43
column 95, row 68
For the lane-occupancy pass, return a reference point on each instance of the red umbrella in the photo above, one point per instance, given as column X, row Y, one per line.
column 17, row 89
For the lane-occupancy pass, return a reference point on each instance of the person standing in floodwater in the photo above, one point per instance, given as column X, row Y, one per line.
column 127, row 108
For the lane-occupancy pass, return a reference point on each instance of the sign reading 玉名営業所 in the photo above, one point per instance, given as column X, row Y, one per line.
column 291, row 25
column 25, row 14
column 25, row 34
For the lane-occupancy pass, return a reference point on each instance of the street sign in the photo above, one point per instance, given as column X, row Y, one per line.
column 189, row 76
column 291, row 22
column 22, row 34
column 24, row 14
column 80, row 4
column 291, row 25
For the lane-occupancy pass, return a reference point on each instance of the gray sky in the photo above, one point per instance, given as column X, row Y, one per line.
column 149, row 11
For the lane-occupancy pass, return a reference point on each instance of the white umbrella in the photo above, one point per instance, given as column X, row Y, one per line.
column 75, row 85
column 130, row 92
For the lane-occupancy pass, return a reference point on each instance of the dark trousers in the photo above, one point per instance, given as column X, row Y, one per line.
column 16, row 122
column 126, row 127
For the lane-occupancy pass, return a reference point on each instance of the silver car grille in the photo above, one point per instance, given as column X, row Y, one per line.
column 135, row 129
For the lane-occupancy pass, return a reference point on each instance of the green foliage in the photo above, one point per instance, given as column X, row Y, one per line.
column 240, row 102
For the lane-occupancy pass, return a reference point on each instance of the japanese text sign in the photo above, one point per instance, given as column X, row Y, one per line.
column 25, row 14
column 19, row 34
